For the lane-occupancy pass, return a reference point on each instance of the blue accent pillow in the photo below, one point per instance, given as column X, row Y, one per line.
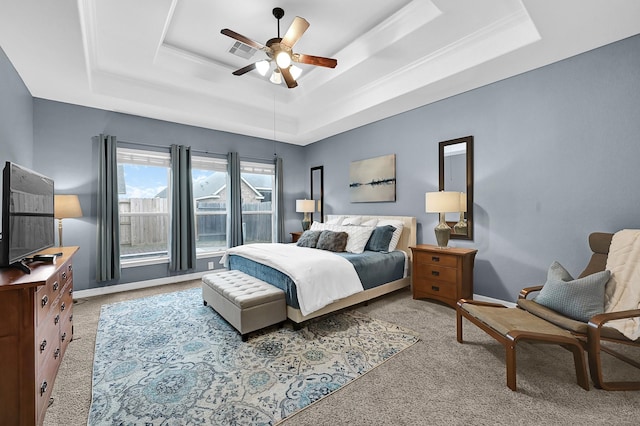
column 380, row 238
column 308, row 239
column 579, row 299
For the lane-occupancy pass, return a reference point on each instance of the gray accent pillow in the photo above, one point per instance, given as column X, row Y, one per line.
column 309, row 239
column 579, row 299
column 332, row 241
column 380, row 238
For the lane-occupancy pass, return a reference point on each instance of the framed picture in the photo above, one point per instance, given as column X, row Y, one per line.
column 373, row 179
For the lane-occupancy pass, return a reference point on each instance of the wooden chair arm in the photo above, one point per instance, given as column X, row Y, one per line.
column 527, row 290
column 597, row 321
column 479, row 303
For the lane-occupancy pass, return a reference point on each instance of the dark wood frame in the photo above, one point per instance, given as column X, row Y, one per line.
column 441, row 146
column 321, row 210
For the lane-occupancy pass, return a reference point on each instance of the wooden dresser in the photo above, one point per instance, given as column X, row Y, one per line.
column 442, row 274
column 36, row 327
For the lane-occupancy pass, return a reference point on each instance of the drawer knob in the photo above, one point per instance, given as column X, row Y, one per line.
column 43, row 345
column 62, row 307
column 435, row 273
column 56, row 354
column 435, row 288
column 43, row 388
column 45, row 300
column 70, row 317
column 63, row 337
column 56, row 320
column 435, row 258
column 64, row 275
column 55, row 286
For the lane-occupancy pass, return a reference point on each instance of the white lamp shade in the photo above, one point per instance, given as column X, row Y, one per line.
column 262, row 67
column 305, row 206
column 295, row 72
column 442, row 202
column 463, row 201
column 283, row 59
column 65, row 206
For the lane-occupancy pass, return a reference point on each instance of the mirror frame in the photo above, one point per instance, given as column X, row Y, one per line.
column 469, row 169
column 311, row 193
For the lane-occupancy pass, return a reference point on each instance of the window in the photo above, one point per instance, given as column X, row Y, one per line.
column 143, row 198
column 258, row 216
column 209, row 178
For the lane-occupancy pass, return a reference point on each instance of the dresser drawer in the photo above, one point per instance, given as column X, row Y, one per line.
column 46, row 295
column 425, row 287
column 429, row 271
column 446, row 260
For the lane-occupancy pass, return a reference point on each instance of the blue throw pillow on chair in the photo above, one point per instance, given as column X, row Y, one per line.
column 579, row 299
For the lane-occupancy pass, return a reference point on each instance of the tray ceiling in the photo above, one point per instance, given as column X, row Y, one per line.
column 166, row 59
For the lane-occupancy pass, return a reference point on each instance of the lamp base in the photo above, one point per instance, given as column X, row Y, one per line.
column 306, row 224
column 443, row 232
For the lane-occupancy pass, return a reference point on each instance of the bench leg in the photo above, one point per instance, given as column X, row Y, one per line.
column 458, row 325
column 245, row 337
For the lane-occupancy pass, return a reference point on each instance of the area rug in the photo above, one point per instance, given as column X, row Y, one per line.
column 170, row 360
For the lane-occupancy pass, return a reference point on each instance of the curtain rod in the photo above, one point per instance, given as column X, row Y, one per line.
column 199, row 151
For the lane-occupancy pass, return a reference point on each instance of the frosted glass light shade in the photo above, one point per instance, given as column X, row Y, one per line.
column 283, row 59
column 295, row 71
column 276, row 77
column 262, row 67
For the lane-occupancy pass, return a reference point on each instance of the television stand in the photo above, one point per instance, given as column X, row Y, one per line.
column 22, row 265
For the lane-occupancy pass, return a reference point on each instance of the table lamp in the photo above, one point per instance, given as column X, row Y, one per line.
column 461, row 227
column 306, row 207
column 65, row 206
column 442, row 202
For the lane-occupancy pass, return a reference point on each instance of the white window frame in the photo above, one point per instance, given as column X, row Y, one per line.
column 146, row 158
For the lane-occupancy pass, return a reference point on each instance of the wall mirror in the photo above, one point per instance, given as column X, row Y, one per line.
column 317, row 192
column 456, row 174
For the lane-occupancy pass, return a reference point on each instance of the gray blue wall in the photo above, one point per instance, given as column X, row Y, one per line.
column 556, row 153
column 556, row 158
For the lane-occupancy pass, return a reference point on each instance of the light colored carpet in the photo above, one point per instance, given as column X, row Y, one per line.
column 168, row 359
column 435, row 382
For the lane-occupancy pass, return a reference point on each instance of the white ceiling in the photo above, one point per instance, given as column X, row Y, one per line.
column 166, row 59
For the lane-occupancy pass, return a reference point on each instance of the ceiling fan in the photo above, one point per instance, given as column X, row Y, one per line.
column 280, row 50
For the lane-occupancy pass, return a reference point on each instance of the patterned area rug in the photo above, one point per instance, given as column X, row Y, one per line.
column 170, row 360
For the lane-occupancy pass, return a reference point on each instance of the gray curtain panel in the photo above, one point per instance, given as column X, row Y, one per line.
column 279, row 202
column 108, row 229
column 234, row 209
column 183, row 234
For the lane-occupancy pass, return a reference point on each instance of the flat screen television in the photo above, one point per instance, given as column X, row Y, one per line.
column 27, row 214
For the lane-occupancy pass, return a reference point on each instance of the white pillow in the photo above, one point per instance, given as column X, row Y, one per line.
column 335, row 221
column 351, row 220
column 370, row 222
column 357, row 235
column 398, row 224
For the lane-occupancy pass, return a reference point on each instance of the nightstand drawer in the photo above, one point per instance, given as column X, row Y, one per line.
column 446, row 260
column 426, row 287
column 436, row 272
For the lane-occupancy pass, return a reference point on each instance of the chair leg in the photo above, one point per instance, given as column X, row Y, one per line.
column 458, row 325
column 580, row 365
column 510, row 355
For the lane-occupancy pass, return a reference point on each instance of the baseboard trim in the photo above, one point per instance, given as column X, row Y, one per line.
column 93, row 292
column 137, row 285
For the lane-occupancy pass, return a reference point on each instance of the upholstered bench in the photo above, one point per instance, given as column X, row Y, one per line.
column 247, row 303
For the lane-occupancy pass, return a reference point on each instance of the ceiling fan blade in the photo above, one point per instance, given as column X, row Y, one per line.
column 245, row 70
column 295, row 31
column 315, row 60
column 286, row 74
column 242, row 39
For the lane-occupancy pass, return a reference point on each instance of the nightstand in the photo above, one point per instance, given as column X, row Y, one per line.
column 295, row 236
column 445, row 274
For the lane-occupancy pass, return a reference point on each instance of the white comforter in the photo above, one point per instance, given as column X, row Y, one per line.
column 321, row 277
column 623, row 289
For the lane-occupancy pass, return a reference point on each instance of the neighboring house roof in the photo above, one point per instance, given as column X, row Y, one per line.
column 212, row 185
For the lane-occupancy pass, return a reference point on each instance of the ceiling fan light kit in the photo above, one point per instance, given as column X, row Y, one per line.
column 280, row 51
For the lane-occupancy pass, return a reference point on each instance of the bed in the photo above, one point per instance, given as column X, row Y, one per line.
column 373, row 286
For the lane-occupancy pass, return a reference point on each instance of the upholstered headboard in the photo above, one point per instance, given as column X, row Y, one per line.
column 408, row 236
